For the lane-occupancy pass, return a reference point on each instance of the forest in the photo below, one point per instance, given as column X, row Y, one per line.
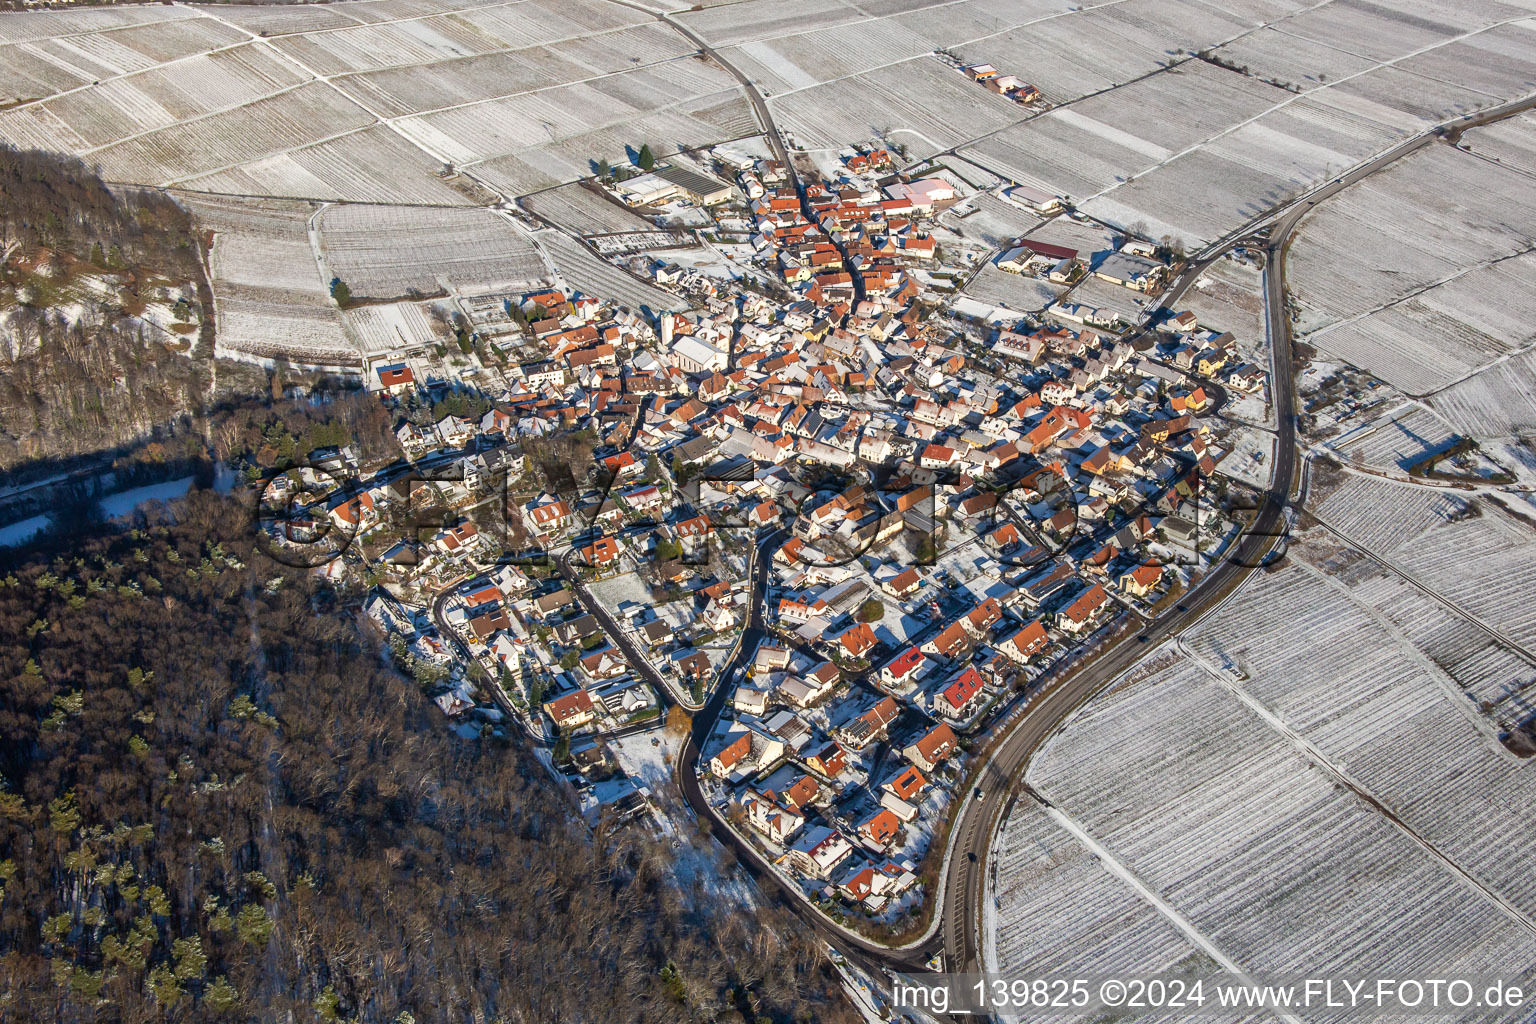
column 219, row 802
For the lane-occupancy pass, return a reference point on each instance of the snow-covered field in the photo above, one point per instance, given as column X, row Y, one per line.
column 1229, row 296
column 388, row 251
column 1407, row 435
column 357, row 102
column 578, row 209
column 1016, row 291
column 582, row 270
column 1219, row 803
column 270, row 297
column 1418, row 290
column 1483, row 562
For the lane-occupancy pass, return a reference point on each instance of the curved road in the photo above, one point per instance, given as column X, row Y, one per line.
column 964, row 889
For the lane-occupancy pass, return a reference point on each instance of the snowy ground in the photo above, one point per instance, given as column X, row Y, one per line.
column 1226, row 805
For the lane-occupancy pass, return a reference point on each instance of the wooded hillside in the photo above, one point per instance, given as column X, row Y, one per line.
column 217, row 802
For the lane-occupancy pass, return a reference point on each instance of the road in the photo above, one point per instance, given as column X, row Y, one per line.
column 964, row 872
column 964, row 889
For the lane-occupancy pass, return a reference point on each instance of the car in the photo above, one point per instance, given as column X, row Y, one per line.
column 971, row 856
column 978, row 794
column 1144, row 639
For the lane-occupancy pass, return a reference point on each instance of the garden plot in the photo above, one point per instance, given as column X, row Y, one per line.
column 1219, row 815
column 395, row 327
column 582, row 270
column 1000, row 288
column 1096, row 293
column 989, row 219
column 389, row 251
column 1398, row 441
column 1229, row 296
column 270, row 299
column 1476, row 557
column 581, row 211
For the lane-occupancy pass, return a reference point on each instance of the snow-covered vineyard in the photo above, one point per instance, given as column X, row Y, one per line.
column 269, row 294
column 1467, row 550
column 1213, row 793
column 388, row 251
column 1422, row 290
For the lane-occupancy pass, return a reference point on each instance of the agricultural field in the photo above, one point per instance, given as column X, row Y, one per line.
column 270, row 298
column 1229, row 296
column 1511, row 142
column 581, row 211
column 989, row 220
column 1216, row 805
column 364, row 101
column 1419, row 291
column 1016, row 291
column 1096, row 293
column 913, row 104
column 1304, row 110
column 581, row 269
column 1468, row 551
column 1498, row 402
column 1405, row 437
column 1105, row 921
column 394, row 328
column 42, row 56
column 389, row 251
column 614, row 127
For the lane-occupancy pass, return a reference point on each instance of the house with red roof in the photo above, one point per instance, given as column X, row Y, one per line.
column 1026, row 643
column 933, row 749
column 904, row 669
column 858, row 641
column 572, row 710
column 1084, row 611
column 1141, row 580
column 961, row 696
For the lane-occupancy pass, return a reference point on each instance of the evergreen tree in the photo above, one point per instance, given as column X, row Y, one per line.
column 646, row 159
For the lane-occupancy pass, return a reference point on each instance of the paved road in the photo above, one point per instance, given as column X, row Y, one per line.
column 964, row 888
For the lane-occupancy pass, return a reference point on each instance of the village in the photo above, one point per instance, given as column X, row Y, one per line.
column 819, row 499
